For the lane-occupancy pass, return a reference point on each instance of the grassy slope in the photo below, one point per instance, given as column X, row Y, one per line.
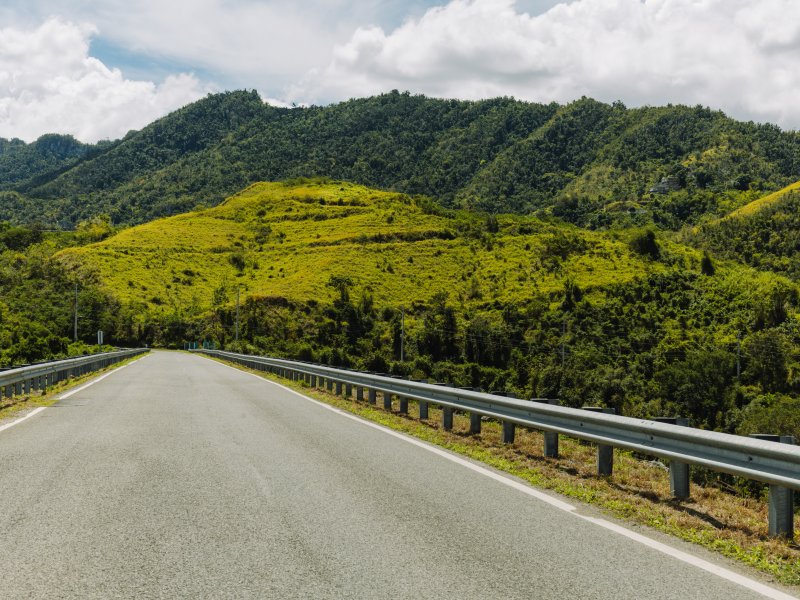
column 763, row 202
column 178, row 262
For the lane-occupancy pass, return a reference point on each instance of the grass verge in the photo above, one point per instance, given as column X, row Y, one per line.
column 638, row 491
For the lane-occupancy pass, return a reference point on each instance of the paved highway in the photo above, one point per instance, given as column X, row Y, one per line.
column 178, row 477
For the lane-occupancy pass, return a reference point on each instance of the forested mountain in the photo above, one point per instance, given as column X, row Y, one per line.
column 21, row 164
column 589, row 163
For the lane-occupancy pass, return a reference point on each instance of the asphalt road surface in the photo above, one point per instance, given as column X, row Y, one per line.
column 179, row 477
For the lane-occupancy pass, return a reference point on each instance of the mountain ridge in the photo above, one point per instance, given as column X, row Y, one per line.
column 589, row 163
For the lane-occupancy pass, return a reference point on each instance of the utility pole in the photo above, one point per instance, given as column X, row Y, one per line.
column 237, row 313
column 75, row 328
column 402, row 333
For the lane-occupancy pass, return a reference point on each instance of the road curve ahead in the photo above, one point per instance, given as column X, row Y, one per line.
column 179, row 477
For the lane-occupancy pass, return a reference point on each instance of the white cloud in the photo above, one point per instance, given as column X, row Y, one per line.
column 737, row 55
column 49, row 83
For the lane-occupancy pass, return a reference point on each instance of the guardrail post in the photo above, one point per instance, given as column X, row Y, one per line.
column 605, row 453
column 18, row 388
column 509, row 432
column 509, row 428
column 329, row 384
column 447, row 412
column 781, row 499
column 359, row 394
column 447, row 418
column 338, row 388
column 348, row 390
column 678, row 471
column 387, row 401
column 474, row 423
column 313, row 383
column 402, row 400
column 550, row 437
column 423, row 405
column 474, row 417
column 372, row 397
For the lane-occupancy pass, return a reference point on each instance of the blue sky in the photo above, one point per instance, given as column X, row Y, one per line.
column 98, row 68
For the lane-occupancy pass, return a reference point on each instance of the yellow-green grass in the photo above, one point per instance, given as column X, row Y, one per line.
column 763, row 202
column 178, row 262
column 638, row 491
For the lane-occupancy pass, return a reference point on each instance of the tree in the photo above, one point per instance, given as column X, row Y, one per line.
column 646, row 245
column 706, row 266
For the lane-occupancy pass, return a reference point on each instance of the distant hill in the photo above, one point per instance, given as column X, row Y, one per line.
column 323, row 270
column 588, row 163
column 288, row 239
column 764, row 233
column 22, row 164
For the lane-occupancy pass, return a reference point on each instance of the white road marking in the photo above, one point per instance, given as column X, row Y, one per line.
column 742, row 580
column 36, row 411
column 93, row 381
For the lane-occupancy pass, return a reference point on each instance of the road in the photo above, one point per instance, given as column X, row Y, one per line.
column 179, row 477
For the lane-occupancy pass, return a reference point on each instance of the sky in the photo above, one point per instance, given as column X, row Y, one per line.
column 96, row 69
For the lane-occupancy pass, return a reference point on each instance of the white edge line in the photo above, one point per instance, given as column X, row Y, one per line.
column 36, row 411
column 66, row 395
column 717, row 570
column 21, row 419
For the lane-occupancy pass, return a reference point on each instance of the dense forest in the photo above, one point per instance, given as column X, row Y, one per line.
column 37, row 297
column 588, row 163
column 22, row 164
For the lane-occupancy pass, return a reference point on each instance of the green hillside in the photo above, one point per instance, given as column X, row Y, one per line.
column 588, row 163
column 22, row 164
column 288, row 240
column 325, row 270
column 764, row 233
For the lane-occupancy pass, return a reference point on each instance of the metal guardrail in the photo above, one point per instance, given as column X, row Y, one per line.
column 777, row 464
column 22, row 380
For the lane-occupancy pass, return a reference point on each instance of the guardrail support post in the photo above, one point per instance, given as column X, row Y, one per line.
column 313, row 381
column 678, row 471
column 403, row 405
column 474, row 418
column 329, row 384
column 359, row 394
column 509, row 432
column 387, row 401
column 447, row 418
column 781, row 499
column 550, row 437
column 372, row 396
column 348, row 390
column 605, row 453
column 474, row 423
column 338, row 388
column 509, row 428
column 423, row 405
